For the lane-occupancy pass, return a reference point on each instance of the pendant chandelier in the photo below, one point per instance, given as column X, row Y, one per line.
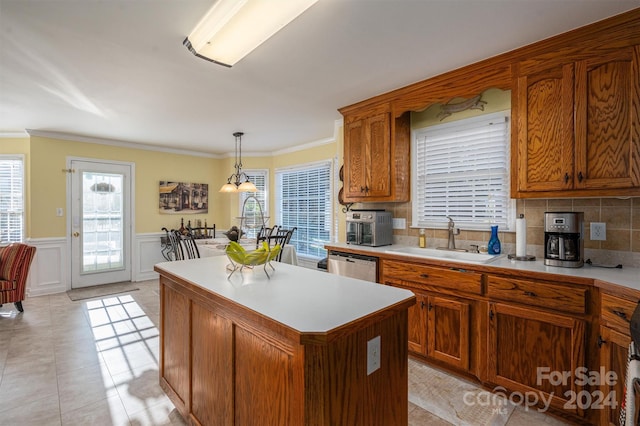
column 238, row 181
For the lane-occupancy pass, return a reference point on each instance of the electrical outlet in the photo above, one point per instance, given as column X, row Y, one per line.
column 373, row 355
column 598, row 231
column 399, row 223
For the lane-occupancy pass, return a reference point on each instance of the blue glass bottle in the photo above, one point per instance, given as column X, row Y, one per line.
column 494, row 241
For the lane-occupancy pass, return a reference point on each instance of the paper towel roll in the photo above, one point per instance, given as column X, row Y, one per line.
column 521, row 236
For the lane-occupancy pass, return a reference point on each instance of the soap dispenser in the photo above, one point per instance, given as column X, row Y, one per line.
column 494, row 241
column 422, row 241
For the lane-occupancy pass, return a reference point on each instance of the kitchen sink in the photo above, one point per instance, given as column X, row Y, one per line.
column 452, row 255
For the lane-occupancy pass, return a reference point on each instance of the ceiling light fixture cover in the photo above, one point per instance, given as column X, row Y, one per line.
column 231, row 29
column 235, row 182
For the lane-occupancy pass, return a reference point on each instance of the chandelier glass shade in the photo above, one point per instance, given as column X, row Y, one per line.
column 238, row 181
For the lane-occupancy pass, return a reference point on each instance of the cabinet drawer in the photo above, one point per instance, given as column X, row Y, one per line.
column 616, row 312
column 544, row 295
column 430, row 276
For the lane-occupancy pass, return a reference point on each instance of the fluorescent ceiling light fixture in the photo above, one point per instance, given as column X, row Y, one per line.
column 231, row 29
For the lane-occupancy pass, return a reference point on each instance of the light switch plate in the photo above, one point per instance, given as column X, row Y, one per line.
column 598, row 231
column 373, row 355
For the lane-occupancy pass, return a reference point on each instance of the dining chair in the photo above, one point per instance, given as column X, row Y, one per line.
column 283, row 237
column 189, row 246
column 264, row 233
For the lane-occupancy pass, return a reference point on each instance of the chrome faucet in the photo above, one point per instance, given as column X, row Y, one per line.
column 453, row 231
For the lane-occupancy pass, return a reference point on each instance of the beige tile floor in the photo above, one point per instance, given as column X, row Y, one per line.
column 95, row 362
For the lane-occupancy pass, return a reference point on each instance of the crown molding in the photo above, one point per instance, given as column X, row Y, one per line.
column 118, row 143
column 17, row 134
column 147, row 147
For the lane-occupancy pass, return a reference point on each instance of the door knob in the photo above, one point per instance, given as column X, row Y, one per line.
column 76, row 234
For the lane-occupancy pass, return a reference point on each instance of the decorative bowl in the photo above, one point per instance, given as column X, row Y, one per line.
column 241, row 258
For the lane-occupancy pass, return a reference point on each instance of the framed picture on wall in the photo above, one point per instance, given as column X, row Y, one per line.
column 183, row 198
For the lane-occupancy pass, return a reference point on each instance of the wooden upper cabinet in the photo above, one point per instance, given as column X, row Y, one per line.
column 376, row 155
column 368, row 150
column 543, row 103
column 576, row 125
column 607, row 120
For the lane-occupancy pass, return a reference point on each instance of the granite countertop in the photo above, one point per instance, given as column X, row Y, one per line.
column 303, row 299
column 626, row 277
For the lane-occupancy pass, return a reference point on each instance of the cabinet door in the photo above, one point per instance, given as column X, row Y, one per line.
column 354, row 154
column 418, row 324
column 367, row 151
column 607, row 120
column 614, row 348
column 544, row 129
column 528, row 349
column 379, row 156
column 448, row 331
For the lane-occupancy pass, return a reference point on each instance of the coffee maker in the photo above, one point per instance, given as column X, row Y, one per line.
column 563, row 239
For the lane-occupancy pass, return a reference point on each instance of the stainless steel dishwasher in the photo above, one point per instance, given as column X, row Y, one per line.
column 353, row 265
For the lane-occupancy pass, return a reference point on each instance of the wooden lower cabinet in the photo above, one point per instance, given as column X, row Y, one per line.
column 614, row 348
column 439, row 328
column 529, row 350
column 448, row 336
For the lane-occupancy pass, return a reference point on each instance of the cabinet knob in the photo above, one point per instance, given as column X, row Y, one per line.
column 529, row 293
column 430, row 307
column 566, row 177
column 601, row 341
column 424, row 275
column 580, row 177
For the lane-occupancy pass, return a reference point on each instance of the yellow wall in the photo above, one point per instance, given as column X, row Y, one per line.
column 46, row 183
column 49, row 183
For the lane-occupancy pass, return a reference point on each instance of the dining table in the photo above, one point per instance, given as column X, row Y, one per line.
column 211, row 247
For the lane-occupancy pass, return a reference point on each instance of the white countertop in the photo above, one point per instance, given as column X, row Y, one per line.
column 303, row 299
column 626, row 277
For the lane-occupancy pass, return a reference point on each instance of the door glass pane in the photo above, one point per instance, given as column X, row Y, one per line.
column 102, row 227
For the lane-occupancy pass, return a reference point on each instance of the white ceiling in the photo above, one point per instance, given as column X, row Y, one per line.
column 117, row 69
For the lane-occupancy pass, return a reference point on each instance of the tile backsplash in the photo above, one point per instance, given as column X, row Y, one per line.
column 621, row 215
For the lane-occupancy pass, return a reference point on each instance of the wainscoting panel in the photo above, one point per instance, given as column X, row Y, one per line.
column 148, row 250
column 49, row 273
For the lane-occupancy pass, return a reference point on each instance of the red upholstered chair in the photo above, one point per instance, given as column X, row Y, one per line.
column 15, row 260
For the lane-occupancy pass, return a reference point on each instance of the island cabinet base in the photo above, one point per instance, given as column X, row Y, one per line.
column 223, row 364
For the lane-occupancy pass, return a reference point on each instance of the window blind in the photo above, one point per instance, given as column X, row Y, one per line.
column 304, row 201
column 462, row 171
column 260, row 179
column 11, row 199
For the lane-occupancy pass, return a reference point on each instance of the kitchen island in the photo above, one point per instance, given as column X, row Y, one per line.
column 302, row 348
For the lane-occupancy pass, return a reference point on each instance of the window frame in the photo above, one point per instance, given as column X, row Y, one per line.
column 481, row 225
column 22, row 212
column 265, row 192
column 329, row 208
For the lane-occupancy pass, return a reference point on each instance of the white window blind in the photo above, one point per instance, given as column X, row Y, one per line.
column 260, row 179
column 461, row 170
column 11, row 199
column 303, row 200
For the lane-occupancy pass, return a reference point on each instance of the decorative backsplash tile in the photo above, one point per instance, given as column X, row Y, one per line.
column 621, row 215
